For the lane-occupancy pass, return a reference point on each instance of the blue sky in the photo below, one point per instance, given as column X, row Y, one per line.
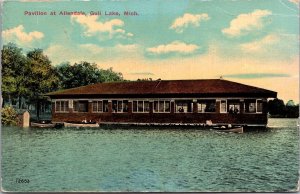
column 249, row 41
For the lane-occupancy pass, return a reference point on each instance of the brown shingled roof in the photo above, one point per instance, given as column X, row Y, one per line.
column 171, row 87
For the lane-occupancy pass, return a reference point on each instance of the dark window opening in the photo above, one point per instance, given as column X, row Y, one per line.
column 184, row 106
column 206, row 106
column 80, row 106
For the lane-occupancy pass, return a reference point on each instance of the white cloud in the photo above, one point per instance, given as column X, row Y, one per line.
column 91, row 48
column 174, row 47
column 59, row 53
column 260, row 45
column 129, row 34
column 20, row 37
column 188, row 20
column 245, row 23
column 94, row 27
column 126, row 47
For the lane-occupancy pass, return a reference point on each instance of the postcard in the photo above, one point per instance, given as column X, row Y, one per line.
column 150, row 96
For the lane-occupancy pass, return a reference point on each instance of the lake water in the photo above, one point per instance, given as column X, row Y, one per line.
column 151, row 159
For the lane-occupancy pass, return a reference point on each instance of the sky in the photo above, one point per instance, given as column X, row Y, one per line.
column 254, row 42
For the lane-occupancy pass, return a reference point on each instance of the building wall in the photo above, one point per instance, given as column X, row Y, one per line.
column 163, row 118
column 194, row 117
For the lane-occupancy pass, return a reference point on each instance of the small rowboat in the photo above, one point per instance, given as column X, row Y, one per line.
column 43, row 124
column 66, row 124
column 233, row 130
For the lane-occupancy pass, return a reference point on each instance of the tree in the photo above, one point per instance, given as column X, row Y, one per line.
column 109, row 75
column 41, row 77
column 14, row 67
column 292, row 110
column 84, row 73
column 290, row 103
column 276, row 107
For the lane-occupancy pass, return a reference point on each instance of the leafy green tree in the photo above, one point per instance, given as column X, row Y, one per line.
column 84, row 73
column 9, row 116
column 277, row 108
column 14, row 68
column 41, row 77
column 108, row 75
column 79, row 74
column 290, row 103
column 292, row 110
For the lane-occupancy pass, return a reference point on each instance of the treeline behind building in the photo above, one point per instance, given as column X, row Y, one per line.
column 27, row 77
column 277, row 109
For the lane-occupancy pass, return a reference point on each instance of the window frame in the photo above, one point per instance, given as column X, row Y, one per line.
column 164, row 106
column 234, row 103
column 137, row 106
column 118, row 102
column 223, row 112
column 78, row 102
column 206, row 101
column 191, row 102
column 259, row 112
column 60, row 106
column 97, row 106
column 255, row 101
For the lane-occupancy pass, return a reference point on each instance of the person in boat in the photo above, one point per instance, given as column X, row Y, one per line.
column 84, row 121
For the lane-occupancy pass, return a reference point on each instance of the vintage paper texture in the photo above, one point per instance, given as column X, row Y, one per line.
column 251, row 42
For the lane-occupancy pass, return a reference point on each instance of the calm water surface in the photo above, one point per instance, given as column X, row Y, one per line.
column 151, row 159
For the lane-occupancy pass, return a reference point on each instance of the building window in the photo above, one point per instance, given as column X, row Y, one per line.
column 161, row 106
column 105, row 105
column 134, row 106
column 184, row 106
column 250, row 106
column 97, row 106
column 146, row 106
column 120, row 106
column 100, row 106
column 75, row 106
column 80, row 106
column 140, row 106
column 167, row 106
column 253, row 106
column 125, row 106
column 206, row 106
column 155, row 106
column 62, row 106
column 259, row 106
column 233, row 106
column 223, row 106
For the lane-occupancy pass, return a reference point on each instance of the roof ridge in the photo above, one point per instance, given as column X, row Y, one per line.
column 191, row 86
column 247, row 85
